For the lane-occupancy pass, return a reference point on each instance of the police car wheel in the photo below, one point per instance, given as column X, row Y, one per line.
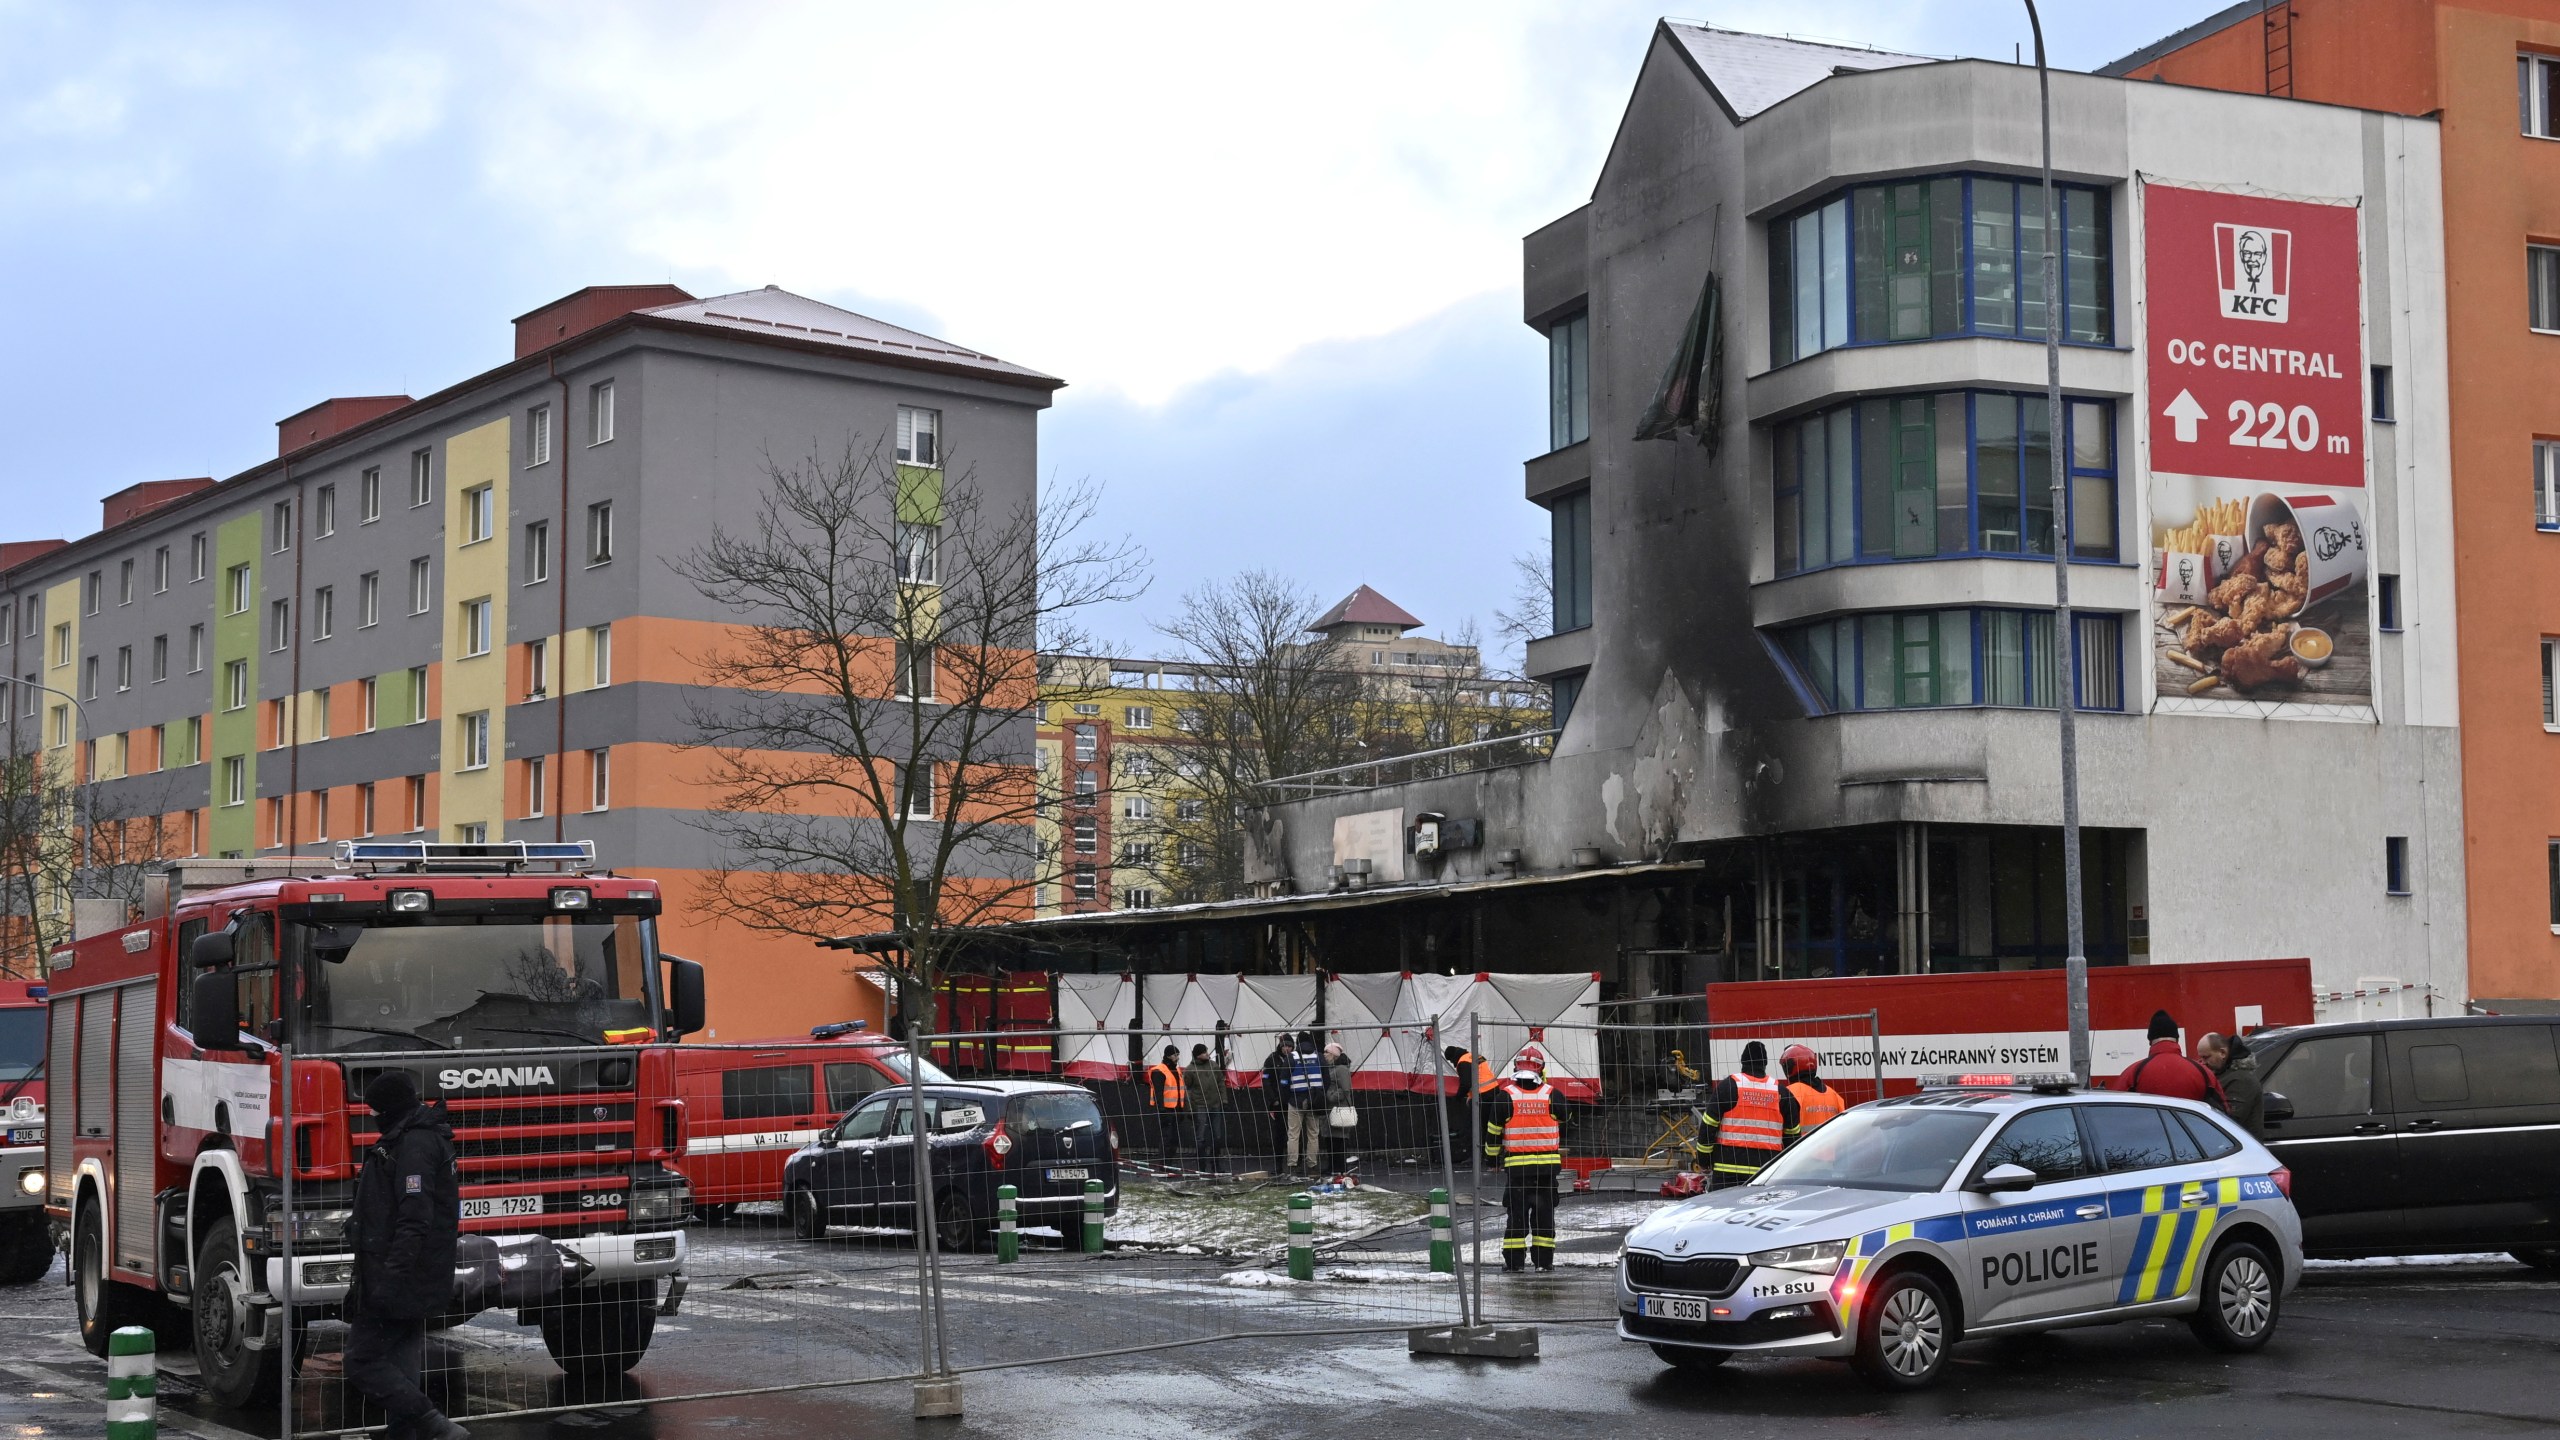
column 1903, row 1332
column 1695, row 1362
column 2237, row 1305
column 26, row 1249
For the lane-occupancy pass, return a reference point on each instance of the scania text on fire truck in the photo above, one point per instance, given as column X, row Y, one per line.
column 26, row 1242
column 521, row 985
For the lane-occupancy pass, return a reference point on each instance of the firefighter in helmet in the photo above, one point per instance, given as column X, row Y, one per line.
column 1749, row 1119
column 1521, row 1130
column 1816, row 1102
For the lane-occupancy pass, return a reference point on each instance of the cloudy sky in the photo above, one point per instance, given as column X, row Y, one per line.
column 1274, row 250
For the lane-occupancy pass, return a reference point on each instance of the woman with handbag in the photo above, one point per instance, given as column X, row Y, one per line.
column 1340, row 1116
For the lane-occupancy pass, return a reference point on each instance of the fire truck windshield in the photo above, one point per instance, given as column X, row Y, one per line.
column 476, row 981
column 21, row 1043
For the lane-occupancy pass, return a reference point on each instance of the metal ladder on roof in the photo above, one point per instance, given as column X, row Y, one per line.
column 2276, row 17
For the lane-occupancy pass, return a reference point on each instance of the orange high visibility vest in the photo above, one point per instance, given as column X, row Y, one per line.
column 1757, row 1121
column 1486, row 1084
column 1817, row 1107
column 1172, row 1085
column 1530, row 1136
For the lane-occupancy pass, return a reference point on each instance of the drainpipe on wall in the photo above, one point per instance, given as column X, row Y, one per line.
column 292, row 737
column 560, row 643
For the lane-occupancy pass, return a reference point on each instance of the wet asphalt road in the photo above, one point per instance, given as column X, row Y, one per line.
column 2434, row 1350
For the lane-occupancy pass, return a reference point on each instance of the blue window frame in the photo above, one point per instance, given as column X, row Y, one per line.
column 1921, row 477
column 1938, row 256
column 1930, row 659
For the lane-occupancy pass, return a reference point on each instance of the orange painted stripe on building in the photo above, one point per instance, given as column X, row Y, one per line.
column 678, row 777
column 668, row 651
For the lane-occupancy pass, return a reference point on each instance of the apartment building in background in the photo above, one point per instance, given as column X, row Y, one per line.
column 452, row 617
column 2487, row 72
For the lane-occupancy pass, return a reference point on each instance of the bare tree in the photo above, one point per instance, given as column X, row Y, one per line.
column 1531, row 613
column 871, row 718
column 62, row 843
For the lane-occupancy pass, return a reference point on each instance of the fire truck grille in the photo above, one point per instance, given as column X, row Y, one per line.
column 546, row 1135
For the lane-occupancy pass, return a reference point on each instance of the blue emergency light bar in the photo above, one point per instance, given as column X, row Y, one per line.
column 840, row 1027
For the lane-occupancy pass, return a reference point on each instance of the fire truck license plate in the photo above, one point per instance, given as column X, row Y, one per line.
column 26, row 1137
column 1662, row 1307
column 491, row 1206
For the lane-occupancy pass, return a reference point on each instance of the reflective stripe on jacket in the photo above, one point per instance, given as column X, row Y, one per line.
column 1529, row 1133
column 1815, row 1104
column 1757, row 1121
column 1168, row 1086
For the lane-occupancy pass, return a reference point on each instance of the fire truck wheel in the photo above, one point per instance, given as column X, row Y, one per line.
column 105, row 1305
column 233, row 1374
column 26, row 1249
column 601, row 1334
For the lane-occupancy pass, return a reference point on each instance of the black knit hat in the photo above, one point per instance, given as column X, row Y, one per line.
column 1755, row 1057
column 2162, row 1027
column 391, row 1093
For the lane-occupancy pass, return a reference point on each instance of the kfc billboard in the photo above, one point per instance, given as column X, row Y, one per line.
column 2253, row 348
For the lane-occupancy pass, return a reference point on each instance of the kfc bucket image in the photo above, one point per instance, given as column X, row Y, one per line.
column 2330, row 528
column 2283, row 622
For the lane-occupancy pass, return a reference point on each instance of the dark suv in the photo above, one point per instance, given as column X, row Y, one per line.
column 1044, row 1139
column 2410, row 1137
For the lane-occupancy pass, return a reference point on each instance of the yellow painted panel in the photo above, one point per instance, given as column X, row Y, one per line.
column 475, row 684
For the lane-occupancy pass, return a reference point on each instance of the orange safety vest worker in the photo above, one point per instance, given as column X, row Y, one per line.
column 1486, row 1084
column 1750, row 1132
column 1167, row 1084
column 1529, row 1134
column 1816, row 1103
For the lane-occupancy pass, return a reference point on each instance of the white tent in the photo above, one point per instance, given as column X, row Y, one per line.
column 1093, row 1017
column 1361, row 1016
column 1266, row 1004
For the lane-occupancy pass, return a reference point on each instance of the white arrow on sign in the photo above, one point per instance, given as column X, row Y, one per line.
column 2184, row 412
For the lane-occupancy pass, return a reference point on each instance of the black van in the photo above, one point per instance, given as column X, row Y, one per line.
column 2413, row 1137
column 1043, row 1138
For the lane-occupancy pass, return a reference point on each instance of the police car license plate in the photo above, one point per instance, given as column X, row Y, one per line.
column 1669, row 1307
column 490, row 1207
column 1068, row 1172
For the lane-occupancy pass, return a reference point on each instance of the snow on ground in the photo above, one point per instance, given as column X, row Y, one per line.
column 1197, row 1217
column 2394, row 1261
column 1353, row 1274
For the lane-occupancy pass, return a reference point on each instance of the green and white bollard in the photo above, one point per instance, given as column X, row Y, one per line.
column 1444, row 1248
column 1008, row 1240
column 1302, row 1237
column 1093, row 1217
column 133, row 1385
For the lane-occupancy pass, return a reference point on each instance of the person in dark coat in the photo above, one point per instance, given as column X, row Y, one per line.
column 2169, row 1070
column 407, row 1220
column 2232, row 1063
column 1275, row 1093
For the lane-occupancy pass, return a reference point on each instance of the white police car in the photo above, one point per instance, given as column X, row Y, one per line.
column 1973, row 1208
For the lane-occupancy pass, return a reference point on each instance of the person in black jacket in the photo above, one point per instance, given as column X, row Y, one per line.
column 408, row 1216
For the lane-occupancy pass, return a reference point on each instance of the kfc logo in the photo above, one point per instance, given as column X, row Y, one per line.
column 2255, row 267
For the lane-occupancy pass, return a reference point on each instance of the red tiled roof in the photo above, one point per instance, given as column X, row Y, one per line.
column 1365, row 606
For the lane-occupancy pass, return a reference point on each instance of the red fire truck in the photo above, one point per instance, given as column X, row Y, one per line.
column 26, row 1242
column 521, row 985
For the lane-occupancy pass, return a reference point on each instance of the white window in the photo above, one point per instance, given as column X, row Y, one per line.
column 1137, row 899
column 364, row 808
column 916, row 797
column 1137, row 807
column 368, row 694
column 199, row 556
column 324, row 510
column 319, row 814
column 537, row 552
column 124, row 667
column 919, row 436
column 537, row 435
column 2542, row 286
column 534, row 786
column 2538, row 96
column 1138, row 717
column 2546, row 484
column 479, row 513
column 1190, row 720
column 915, row 671
column 1088, row 742
column 320, row 713
column 600, row 533
column 160, row 571
column 422, row 478
column 159, row 658
column 236, row 589
column 368, row 598
column 195, row 649
column 276, row 737
column 417, row 803
column 600, row 644
column 1088, row 785
column 62, row 643
column 537, row 668
column 324, row 612
column 417, row 694
column 1084, row 886
column 475, row 627
column 235, row 780
column 600, row 412
column 919, row 553
column 2550, row 702
column 475, row 833
column 1191, row 810
column 473, row 732
column 599, row 779
column 369, row 508
column 1138, row 854
column 280, row 521
column 61, row 726
column 279, row 625
column 1084, row 833
column 1137, row 764
column 124, row 582
column 421, row 586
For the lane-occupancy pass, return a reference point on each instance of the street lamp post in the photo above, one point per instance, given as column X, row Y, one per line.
column 2076, row 961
